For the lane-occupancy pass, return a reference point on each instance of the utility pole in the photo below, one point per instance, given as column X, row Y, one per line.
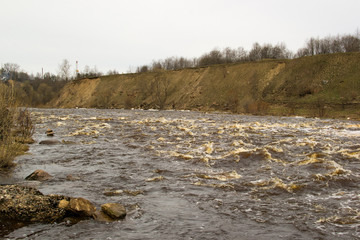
column 77, row 69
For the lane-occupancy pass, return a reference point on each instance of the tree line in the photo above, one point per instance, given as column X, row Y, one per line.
column 313, row 46
column 39, row 89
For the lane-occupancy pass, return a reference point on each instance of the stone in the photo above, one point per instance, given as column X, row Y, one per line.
column 102, row 217
column 21, row 204
column 50, row 142
column 114, row 210
column 72, row 178
column 39, row 175
column 63, row 204
column 81, row 207
column 49, row 133
column 26, row 204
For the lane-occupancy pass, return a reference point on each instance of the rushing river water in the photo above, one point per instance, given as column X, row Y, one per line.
column 190, row 175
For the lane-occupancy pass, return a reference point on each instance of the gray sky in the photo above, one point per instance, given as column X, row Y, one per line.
column 118, row 34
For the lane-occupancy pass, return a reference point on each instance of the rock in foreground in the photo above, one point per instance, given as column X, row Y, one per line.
column 26, row 204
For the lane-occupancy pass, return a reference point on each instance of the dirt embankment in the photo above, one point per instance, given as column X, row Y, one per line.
column 322, row 85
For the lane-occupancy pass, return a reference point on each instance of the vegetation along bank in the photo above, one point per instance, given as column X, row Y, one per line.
column 325, row 85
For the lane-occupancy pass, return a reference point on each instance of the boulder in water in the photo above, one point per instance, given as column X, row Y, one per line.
column 49, row 142
column 21, row 204
column 26, row 204
column 114, row 210
column 81, row 207
column 39, row 175
column 49, row 133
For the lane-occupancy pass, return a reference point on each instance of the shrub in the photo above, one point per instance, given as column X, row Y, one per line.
column 24, row 126
column 13, row 126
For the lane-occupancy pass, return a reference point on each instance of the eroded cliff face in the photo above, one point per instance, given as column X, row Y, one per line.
column 314, row 86
column 78, row 94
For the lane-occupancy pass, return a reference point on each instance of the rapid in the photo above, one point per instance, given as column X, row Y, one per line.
column 192, row 175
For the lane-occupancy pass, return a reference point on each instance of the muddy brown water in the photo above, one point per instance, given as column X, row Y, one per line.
column 190, row 175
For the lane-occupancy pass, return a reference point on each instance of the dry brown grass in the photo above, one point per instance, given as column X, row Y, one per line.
column 16, row 127
column 308, row 86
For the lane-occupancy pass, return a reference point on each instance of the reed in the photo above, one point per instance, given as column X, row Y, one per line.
column 16, row 127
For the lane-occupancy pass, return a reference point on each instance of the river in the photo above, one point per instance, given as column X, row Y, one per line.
column 191, row 175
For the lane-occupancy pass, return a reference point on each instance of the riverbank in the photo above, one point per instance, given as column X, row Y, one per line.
column 316, row 86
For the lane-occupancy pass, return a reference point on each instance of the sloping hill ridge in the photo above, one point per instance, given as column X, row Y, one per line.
column 322, row 85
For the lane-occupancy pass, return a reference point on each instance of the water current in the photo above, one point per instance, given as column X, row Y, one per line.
column 191, row 175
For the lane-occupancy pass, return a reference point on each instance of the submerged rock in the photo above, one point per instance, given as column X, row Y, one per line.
column 72, row 178
column 50, row 142
column 102, row 217
column 39, row 175
column 114, row 210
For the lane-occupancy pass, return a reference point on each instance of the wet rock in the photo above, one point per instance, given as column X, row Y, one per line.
column 49, row 133
column 26, row 204
column 113, row 192
column 114, row 210
column 102, row 217
column 72, row 178
column 121, row 192
column 68, row 142
column 49, row 142
column 21, row 204
column 39, row 175
column 81, row 207
column 63, row 204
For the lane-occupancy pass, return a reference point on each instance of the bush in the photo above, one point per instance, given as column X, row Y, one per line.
column 24, row 126
column 16, row 128
column 7, row 103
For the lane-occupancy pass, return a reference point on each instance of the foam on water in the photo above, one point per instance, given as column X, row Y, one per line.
column 194, row 175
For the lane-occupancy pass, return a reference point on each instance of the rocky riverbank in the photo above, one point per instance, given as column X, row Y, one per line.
column 21, row 205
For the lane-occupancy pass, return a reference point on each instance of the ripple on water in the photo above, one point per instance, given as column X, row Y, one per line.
column 203, row 176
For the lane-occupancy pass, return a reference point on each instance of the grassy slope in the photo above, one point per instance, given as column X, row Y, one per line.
column 322, row 85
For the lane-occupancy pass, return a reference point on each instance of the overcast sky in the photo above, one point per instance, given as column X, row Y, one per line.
column 123, row 34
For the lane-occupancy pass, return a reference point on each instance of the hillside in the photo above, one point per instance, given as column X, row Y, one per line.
column 321, row 85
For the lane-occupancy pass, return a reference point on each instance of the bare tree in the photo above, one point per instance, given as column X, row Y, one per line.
column 241, row 54
column 156, row 65
column 351, row 43
column 302, row 52
column 112, row 72
column 142, row 69
column 255, row 52
column 11, row 69
column 310, row 45
column 211, row 58
column 64, row 70
column 229, row 55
